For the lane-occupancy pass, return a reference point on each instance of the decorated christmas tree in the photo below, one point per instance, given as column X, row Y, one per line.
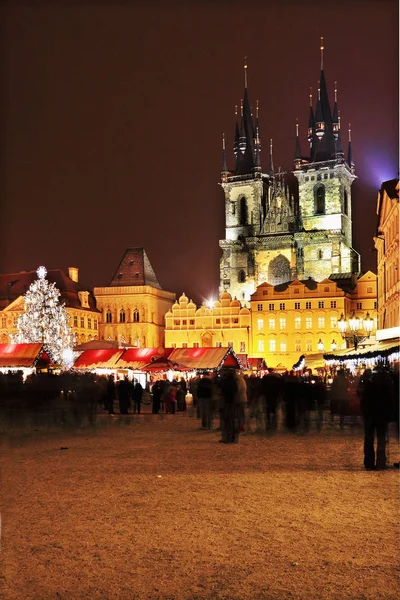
column 45, row 320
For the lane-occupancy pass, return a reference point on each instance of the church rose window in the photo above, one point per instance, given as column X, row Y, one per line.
column 279, row 270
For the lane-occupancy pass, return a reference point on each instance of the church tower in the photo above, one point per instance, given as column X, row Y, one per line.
column 325, row 179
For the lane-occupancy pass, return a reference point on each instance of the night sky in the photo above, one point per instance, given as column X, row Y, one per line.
column 112, row 116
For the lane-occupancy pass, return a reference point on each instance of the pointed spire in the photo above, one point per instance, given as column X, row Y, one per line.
column 322, row 53
column 297, row 157
column 338, row 140
column 350, row 153
column 311, row 123
column 319, row 118
column 271, row 159
column 224, row 170
column 236, row 143
column 257, row 150
column 242, row 136
column 335, row 116
column 245, row 72
column 257, row 126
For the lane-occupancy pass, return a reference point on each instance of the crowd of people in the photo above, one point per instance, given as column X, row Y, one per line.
column 234, row 400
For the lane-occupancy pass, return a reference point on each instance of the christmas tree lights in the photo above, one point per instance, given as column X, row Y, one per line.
column 45, row 320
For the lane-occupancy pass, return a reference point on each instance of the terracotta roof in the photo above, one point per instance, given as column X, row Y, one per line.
column 15, row 285
column 135, row 269
column 19, row 355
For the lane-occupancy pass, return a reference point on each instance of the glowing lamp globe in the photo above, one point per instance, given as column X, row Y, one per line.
column 354, row 322
column 342, row 324
column 368, row 324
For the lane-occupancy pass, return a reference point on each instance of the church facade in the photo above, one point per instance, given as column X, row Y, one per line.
column 284, row 227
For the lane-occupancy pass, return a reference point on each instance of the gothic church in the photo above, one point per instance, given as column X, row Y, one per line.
column 282, row 227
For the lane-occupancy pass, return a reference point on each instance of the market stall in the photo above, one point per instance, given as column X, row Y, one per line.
column 102, row 361
column 206, row 359
column 22, row 357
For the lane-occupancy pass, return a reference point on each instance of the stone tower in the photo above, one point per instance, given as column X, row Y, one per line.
column 280, row 227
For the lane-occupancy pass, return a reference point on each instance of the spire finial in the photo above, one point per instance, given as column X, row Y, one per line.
column 223, row 142
column 241, row 107
column 257, row 107
column 311, row 96
column 322, row 52
column 236, row 110
column 349, row 132
column 297, row 127
column 339, row 118
column 335, row 91
column 270, row 146
column 319, row 91
column 245, row 71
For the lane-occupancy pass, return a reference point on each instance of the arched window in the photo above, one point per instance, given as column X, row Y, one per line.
column 108, row 316
column 369, row 290
column 345, row 203
column 319, row 199
column 243, row 211
column 136, row 342
column 320, row 254
column 122, row 316
column 136, row 316
column 3, row 321
column 279, row 270
column 242, row 276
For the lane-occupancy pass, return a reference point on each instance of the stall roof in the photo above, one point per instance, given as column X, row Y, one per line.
column 19, row 355
column 257, row 364
column 381, row 348
column 205, row 358
column 98, row 359
column 137, row 358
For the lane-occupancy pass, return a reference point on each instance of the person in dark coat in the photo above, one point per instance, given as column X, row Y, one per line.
column 229, row 407
column 340, row 395
column 271, row 390
column 124, row 390
column 376, row 391
column 137, row 394
column 204, row 392
column 157, row 392
column 290, row 392
column 110, row 393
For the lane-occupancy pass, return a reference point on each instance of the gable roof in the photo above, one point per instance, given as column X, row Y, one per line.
column 135, row 269
column 15, row 285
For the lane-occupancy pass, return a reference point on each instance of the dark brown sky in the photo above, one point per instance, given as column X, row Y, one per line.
column 112, row 114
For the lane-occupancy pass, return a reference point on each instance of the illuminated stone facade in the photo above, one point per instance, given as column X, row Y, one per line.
column 133, row 305
column 387, row 246
column 293, row 318
column 281, row 227
column 225, row 323
column 79, row 302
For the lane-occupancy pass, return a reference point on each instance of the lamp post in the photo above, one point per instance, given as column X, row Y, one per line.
column 355, row 324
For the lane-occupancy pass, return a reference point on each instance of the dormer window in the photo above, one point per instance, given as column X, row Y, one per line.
column 84, row 299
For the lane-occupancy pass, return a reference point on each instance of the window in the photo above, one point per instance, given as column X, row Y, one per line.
column 359, row 305
column 345, row 203
column 369, row 290
column 272, row 345
column 89, row 323
column 282, row 306
column 243, row 211
column 271, row 323
column 279, row 270
column 296, row 291
column 242, row 276
column 297, row 323
column 95, row 324
column 297, row 306
column 259, row 307
column 122, row 316
column 333, row 322
column 260, row 324
column 308, row 346
column 297, row 346
column 242, row 346
column 309, row 322
column 321, row 304
column 218, row 321
column 319, row 199
column 195, row 344
column 261, row 345
column 184, row 322
column 177, row 322
column 265, row 292
column 321, row 322
column 136, row 316
column 320, row 256
column 326, row 289
column 218, row 344
column 233, row 208
column 271, row 307
column 375, row 304
column 282, row 346
column 333, row 303
column 235, row 320
column 82, row 321
column 108, row 316
column 225, row 321
column 191, row 322
column 308, row 305
column 184, row 345
column 75, row 321
column 282, row 323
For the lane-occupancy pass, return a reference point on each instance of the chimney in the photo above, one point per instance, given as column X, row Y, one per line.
column 73, row 273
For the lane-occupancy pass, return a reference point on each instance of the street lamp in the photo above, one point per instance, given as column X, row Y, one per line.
column 333, row 345
column 320, row 345
column 355, row 324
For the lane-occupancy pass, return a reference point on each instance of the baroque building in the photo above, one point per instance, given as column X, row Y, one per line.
column 79, row 302
column 301, row 316
column 225, row 322
column 386, row 243
column 281, row 227
column 133, row 305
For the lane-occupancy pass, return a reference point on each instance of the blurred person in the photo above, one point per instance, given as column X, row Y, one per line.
column 137, row 394
column 205, row 392
column 271, row 389
column 241, row 400
column 229, row 407
column 124, row 392
column 340, row 395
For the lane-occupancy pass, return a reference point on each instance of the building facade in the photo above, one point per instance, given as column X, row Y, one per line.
column 225, row 323
column 282, row 227
column 301, row 316
column 133, row 305
column 79, row 302
column 386, row 243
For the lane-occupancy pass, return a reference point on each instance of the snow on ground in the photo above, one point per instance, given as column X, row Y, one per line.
column 152, row 507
